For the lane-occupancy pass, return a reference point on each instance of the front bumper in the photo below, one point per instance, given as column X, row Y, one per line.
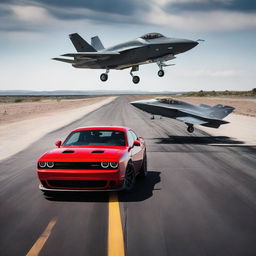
column 42, row 188
column 80, row 180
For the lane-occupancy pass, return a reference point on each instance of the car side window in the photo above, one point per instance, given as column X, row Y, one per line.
column 130, row 138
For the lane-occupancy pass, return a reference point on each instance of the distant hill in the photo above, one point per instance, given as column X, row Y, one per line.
column 69, row 92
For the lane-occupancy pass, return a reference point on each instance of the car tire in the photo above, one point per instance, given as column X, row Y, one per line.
column 130, row 178
column 144, row 168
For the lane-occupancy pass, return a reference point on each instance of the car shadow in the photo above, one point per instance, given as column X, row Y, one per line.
column 197, row 140
column 142, row 190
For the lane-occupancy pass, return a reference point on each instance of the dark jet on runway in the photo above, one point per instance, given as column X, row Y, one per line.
column 149, row 48
column 189, row 114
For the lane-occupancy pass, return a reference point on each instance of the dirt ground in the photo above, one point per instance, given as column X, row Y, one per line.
column 13, row 112
column 243, row 106
column 17, row 130
column 44, row 114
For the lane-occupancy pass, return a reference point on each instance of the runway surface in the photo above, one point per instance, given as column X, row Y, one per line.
column 198, row 199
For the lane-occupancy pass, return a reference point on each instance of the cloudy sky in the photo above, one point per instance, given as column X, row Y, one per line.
column 34, row 31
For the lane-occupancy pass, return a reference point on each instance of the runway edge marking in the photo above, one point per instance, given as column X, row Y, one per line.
column 37, row 247
column 115, row 231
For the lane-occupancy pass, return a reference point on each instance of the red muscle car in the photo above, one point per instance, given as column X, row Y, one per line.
column 94, row 158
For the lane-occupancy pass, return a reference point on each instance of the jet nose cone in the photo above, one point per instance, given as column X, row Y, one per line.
column 192, row 44
column 195, row 43
column 136, row 103
column 139, row 103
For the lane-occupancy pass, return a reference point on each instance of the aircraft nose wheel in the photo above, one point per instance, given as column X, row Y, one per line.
column 135, row 79
column 160, row 73
column 190, row 128
column 104, row 77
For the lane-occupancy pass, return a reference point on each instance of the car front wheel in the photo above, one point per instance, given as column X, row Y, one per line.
column 144, row 168
column 129, row 178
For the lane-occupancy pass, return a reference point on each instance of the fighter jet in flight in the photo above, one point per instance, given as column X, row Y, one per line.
column 149, row 48
column 189, row 114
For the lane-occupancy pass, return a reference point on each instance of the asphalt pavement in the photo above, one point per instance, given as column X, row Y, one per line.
column 199, row 197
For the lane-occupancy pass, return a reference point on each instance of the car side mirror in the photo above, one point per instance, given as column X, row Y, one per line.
column 58, row 143
column 136, row 143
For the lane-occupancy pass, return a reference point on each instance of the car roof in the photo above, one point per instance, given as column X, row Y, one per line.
column 116, row 128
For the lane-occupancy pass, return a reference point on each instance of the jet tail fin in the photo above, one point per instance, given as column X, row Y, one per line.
column 96, row 43
column 80, row 44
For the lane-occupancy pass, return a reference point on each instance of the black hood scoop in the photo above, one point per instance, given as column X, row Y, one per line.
column 98, row 152
column 68, row 152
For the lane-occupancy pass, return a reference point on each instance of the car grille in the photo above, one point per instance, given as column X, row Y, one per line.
column 77, row 183
column 77, row 165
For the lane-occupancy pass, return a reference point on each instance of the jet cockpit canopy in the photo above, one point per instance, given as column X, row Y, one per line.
column 168, row 101
column 151, row 36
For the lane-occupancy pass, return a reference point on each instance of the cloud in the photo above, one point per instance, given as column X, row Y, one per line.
column 185, row 15
column 23, row 18
column 203, row 21
column 123, row 7
column 27, row 15
column 247, row 6
column 76, row 14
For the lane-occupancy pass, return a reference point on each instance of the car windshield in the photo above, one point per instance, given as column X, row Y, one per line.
column 95, row 138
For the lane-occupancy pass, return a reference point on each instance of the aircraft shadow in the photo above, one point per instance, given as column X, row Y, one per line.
column 197, row 140
column 143, row 189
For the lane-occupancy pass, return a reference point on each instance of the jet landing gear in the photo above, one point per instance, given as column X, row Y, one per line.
column 190, row 128
column 161, row 71
column 135, row 79
column 104, row 76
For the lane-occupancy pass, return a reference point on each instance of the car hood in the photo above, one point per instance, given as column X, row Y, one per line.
column 86, row 154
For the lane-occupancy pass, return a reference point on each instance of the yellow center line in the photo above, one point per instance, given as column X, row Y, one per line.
column 115, row 231
column 37, row 247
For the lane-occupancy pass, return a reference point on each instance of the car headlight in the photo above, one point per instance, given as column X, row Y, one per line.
column 42, row 164
column 105, row 164
column 114, row 164
column 45, row 164
column 50, row 164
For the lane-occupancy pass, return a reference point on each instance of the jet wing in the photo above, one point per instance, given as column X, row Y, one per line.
column 91, row 55
column 191, row 120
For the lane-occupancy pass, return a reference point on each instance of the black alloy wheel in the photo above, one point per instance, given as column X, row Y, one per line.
column 130, row 177
column 144, row 168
